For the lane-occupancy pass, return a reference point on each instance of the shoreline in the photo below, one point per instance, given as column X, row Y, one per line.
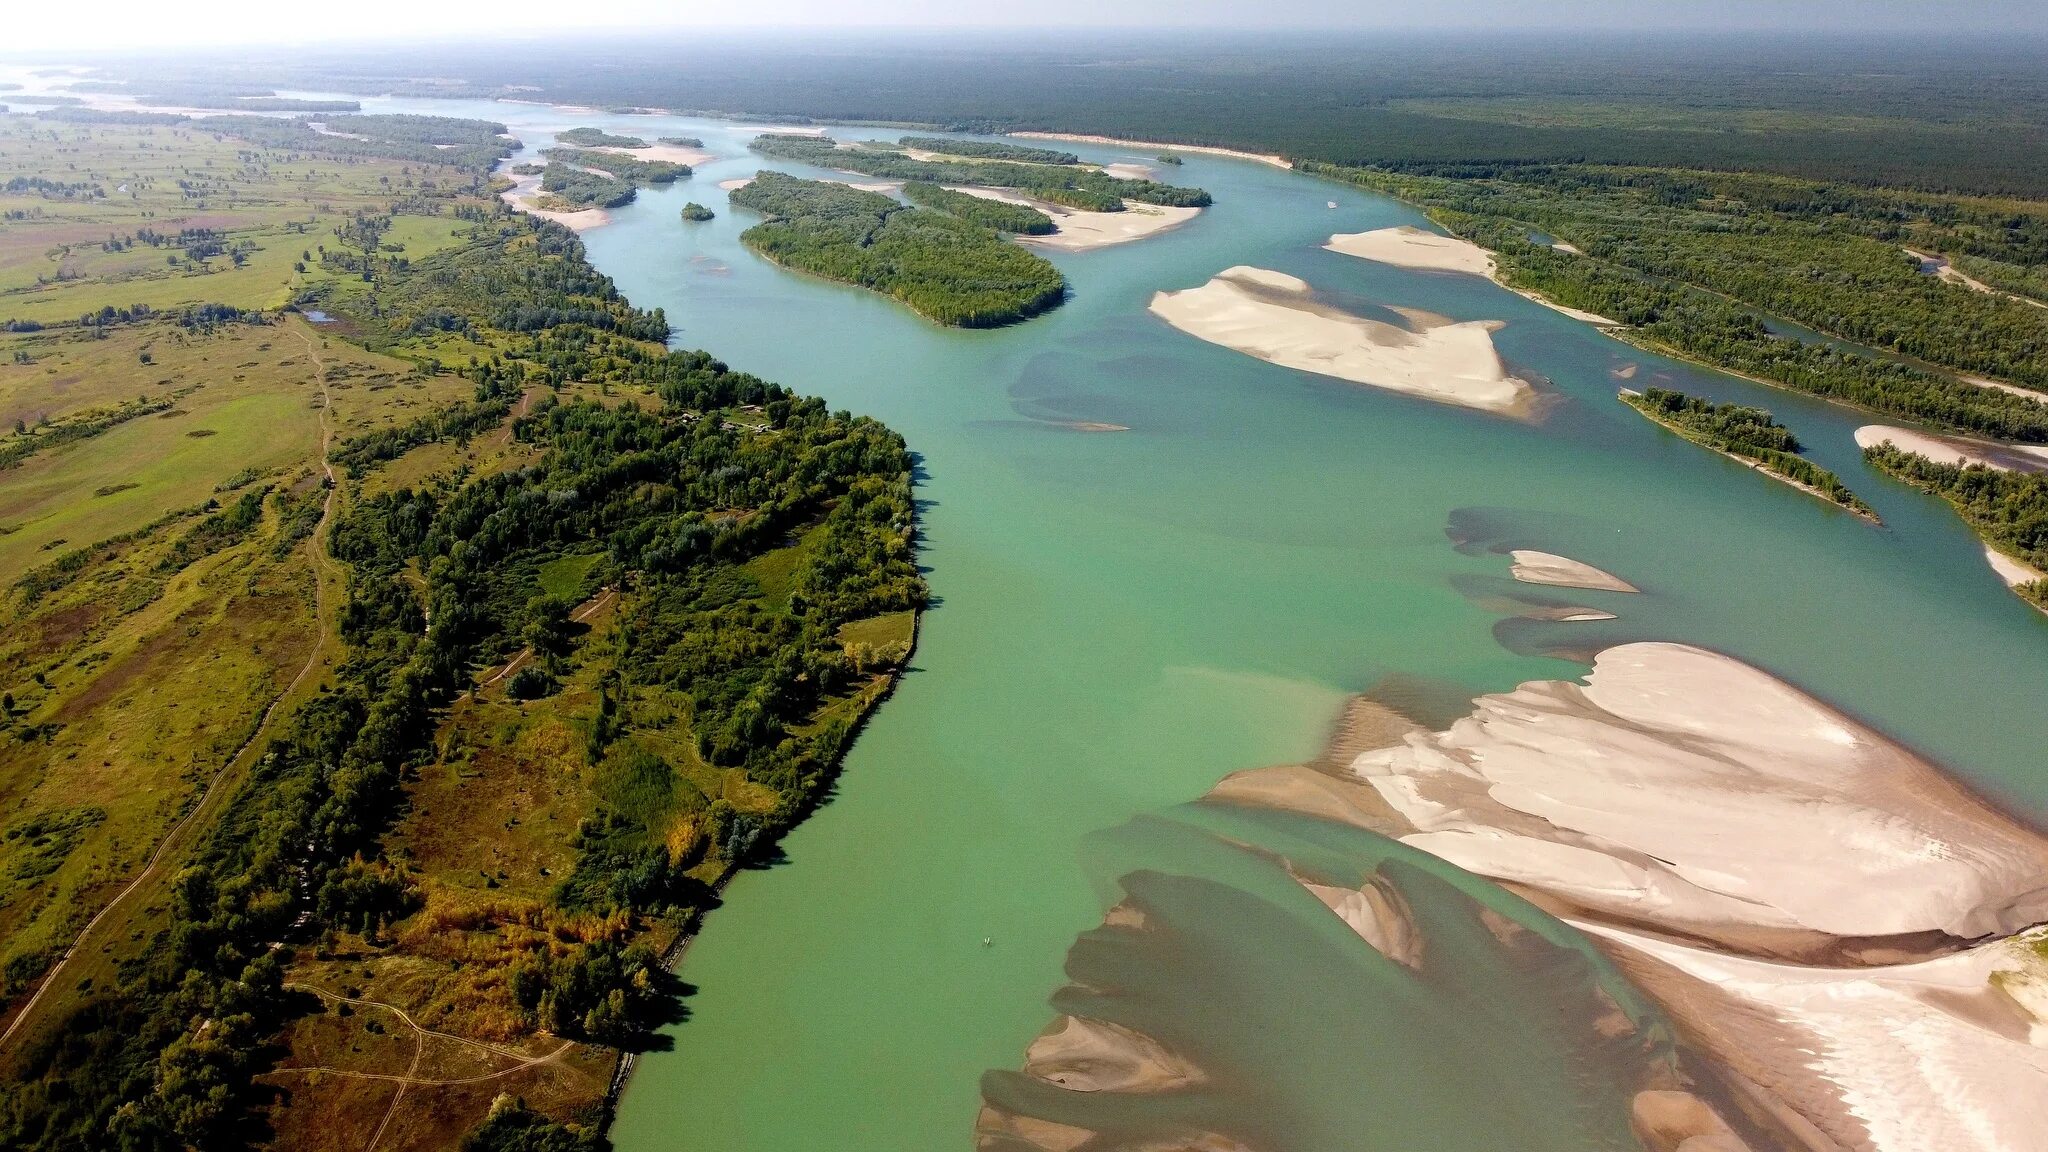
column 1420, row 250
column 1271, row 159
column 1866, row 514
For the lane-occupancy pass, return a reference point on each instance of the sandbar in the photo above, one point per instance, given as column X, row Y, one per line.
column 1276, row 318
column 1533, row 567
column 1421, row 250
column 1081, row 230
column 1961, row 451
column 1273, row 159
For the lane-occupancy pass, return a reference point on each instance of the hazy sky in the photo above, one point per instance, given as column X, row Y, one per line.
column 38, row 25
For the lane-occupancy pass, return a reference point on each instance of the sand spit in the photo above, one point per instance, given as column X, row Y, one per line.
column 1533, row 567
column 1275, row 317
column 1425, row 251
column 2008, row 389
column 1275, row 160
column 1846, row 932
column 735, row 184
column 1961, row 451
column 2012, row 571
column 1080, row 231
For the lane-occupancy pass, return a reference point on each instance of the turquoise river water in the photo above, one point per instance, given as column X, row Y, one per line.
column 1125, row 617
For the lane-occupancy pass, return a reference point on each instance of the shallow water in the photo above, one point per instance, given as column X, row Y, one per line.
column 1125, row 617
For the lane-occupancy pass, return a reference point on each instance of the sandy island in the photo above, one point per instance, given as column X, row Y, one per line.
column 1273, row 159
column 1847, row 934
column 1961, row 451
column 1532, row 567
column 1424, row 251
column 1275, row 317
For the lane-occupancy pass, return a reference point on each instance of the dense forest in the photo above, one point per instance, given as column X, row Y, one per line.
column 1937, row 114
column 2009, row 509
column 1072, row 187
column 1826, row 256
column 1711, row 327
column 1745, row 432
column 1019, row 219
column 945, row 268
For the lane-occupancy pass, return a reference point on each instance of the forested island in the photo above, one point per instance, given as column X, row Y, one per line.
column 695, row 213
column 947, row 269
column 560, row 630
column 1750, row 434
column 2008, row 509
column 1062, row 184
column 598, row 138
column 583, row 178
column 984, row 150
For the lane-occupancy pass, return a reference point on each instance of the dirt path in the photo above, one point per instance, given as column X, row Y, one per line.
column 590, row 608
column 214, row 795
column 520, row 1060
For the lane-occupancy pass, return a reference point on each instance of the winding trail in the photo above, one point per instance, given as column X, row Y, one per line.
column 211, row 799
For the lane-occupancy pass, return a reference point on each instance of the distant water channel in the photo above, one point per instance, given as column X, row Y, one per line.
column 1125, row 617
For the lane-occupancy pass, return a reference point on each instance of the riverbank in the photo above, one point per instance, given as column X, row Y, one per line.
column 1272, row 158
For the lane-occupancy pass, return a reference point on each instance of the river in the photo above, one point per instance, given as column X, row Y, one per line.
column 1121, row 618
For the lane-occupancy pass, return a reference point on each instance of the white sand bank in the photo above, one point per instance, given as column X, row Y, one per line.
column 735, row 184
column 1686, row 788
column 674, row 154
column 1424, row 251
column 1080, row 231
column 1275, row 160
column 1410, row 247
column 1125, row 171
column 2008, row 389
column 1962, row 451
column 1274, row 317
column 2012, row 571
column 1533, row 567
column 1941, row 1054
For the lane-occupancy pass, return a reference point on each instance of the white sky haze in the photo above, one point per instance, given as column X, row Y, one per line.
column 39, row 26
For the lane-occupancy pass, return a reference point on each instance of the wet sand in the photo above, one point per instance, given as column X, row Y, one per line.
column 1275, row 317
column 1533, row 567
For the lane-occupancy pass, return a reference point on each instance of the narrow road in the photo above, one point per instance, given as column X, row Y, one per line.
column 520, row 1060
column 214, row 795
column 590, row 608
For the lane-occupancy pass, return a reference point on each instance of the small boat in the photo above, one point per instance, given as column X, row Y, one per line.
column 1333, row 203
